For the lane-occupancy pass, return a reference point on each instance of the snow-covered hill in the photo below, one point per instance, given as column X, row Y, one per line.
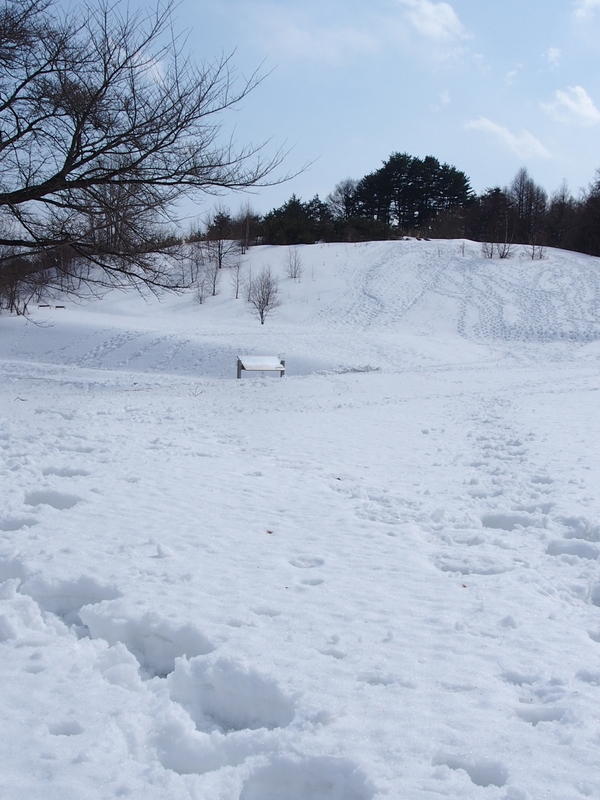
column 376, row 578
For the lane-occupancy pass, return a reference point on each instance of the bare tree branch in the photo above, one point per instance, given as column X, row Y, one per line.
column 104, row 124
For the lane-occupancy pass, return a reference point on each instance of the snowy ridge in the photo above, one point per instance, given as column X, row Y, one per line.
column 377, row 577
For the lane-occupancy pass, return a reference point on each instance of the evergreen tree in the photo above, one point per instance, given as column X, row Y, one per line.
column 296, row 222
column 407, row 193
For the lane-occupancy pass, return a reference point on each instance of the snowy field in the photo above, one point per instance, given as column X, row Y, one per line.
column 376, row 578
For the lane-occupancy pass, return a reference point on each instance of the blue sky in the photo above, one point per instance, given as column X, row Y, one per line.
column 485, row 86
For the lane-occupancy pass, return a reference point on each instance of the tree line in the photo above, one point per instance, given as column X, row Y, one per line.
column 409, row 196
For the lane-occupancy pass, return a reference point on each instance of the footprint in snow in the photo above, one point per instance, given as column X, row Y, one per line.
column 155, row 642
column 69, row 727
column 65, row 472
column 306, row 562
column 227, row 696
column 10, row 524
column 49, row 497
column 315, row 778
column 481, row 771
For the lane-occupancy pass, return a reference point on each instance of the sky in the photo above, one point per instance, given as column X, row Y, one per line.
column 485, row 87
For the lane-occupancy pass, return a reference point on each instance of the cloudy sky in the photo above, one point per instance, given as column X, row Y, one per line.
column 486, row 86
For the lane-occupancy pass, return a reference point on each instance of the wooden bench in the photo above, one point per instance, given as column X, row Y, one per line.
column 260, row 364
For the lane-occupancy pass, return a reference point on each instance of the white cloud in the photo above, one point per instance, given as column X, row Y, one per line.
column 524, row 145
column 437, row 21
column 293, row 33
column 553, row 55
column 481, row 64
column 584, row 9
column 314, row 30
column 511, row 76
column 444, row 101
column 573, row 105
column 321, row 43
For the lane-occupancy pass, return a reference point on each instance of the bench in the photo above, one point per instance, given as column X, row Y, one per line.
column 260, row 364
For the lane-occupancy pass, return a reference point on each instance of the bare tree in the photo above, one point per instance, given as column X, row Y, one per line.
column 195, row 253
column 223, row 252
column 487, row 249
column 236, row 277
column 247, row 285
column 561, row 213
column 245, row 225
column 16, row 293
column 536, row 250
column 212, row 271
column 341, row 201
column 504, row 245
column 504, row 249
column 293, row 264
column 221, row 243
column 105, row 124
column 198, row 276
column 263, row 293
column 201, row 284
column 529, row 205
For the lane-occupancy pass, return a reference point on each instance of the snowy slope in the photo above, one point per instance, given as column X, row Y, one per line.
column 377, row 577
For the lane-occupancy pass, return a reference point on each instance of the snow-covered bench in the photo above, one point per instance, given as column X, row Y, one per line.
column 260, row 364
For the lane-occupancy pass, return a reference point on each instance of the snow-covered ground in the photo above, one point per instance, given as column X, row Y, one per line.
column 377, row 577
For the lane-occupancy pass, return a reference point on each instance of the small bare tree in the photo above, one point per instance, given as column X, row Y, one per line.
column 195, row 253
column 246, row 223
column 236, row 277
column 198, row 278
column 201, row 285
column 504, row 249
column 536, row 250
column 487, row 249
column 204, row 271
column 263, row 293
column 213, row 274
column 248, row 285
column 293, row 264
